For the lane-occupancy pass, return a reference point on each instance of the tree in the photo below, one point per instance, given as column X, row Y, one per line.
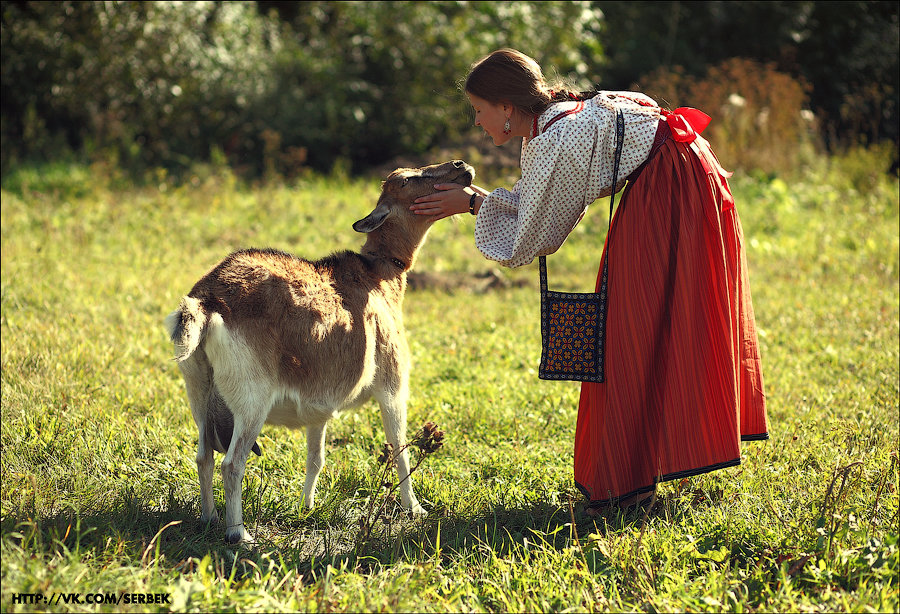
column 847, row 51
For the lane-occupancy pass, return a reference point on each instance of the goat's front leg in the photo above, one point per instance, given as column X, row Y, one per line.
column 233, row 466
column 315, row 460
column 393, row 417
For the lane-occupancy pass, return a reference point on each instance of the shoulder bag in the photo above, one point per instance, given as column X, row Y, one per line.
column 573, row 325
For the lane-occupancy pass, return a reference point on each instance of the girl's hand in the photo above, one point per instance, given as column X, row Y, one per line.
column 449, row 199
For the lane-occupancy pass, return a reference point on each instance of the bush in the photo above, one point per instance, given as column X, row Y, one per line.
column 760, row 118
column 144, row 83
column 337, row 83
column 279, row 87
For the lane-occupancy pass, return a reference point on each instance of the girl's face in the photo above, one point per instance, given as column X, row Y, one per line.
column 491, row 117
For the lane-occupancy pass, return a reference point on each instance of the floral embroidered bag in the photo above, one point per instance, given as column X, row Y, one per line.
column 573, row 324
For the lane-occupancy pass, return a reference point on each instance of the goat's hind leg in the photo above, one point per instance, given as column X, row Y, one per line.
column 247, row 426
column 205, row 466
column 198, row 382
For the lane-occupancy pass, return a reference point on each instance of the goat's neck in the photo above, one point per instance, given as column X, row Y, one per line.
column 397, row 252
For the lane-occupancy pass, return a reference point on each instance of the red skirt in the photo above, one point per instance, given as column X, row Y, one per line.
column 683, row 379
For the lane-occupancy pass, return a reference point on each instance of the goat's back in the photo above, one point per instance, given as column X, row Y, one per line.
column 314, row 323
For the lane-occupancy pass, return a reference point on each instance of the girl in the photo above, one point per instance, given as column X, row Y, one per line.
column 683, row 382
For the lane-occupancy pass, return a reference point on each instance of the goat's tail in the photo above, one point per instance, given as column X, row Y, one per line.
column 186, row 325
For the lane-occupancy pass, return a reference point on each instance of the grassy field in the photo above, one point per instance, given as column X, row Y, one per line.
column 99, row 486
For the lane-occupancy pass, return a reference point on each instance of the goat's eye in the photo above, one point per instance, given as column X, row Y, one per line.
column 405, row 181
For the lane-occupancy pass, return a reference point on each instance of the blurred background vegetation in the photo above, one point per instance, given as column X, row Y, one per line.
column 277, row 89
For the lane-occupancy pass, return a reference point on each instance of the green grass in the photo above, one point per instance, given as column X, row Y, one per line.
column 99, row 486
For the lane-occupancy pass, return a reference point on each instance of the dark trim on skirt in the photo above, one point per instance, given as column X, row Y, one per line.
column 677, row 475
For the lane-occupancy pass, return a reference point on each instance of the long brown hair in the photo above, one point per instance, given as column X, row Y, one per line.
column 510, row 76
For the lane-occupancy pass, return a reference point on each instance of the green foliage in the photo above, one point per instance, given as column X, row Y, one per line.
column 276, row 88
column 367, row 82
column 99, row 486
column 163, row 84
column 151, row 83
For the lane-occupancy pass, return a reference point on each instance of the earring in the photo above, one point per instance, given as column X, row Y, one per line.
column 506, row 127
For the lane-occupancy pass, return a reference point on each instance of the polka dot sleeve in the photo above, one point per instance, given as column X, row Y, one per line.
column 563, row 171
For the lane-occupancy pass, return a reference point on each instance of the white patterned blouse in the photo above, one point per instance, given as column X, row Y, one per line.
column 564, row 170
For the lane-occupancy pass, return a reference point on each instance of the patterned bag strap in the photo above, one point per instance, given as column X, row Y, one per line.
column 620, row 137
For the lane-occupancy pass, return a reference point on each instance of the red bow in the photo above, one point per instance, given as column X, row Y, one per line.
column 686, row 123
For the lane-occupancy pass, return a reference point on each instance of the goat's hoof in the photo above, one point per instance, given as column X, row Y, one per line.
column 211, row 519
column 238, row 536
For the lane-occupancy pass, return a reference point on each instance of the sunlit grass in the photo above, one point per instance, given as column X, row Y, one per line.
column 99, row 486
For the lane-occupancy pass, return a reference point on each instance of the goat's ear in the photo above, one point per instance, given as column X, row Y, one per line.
column 374, row 219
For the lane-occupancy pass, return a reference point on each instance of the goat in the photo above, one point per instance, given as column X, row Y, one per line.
column 267, row 337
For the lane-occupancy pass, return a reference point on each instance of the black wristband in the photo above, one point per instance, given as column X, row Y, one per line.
column 472, row 203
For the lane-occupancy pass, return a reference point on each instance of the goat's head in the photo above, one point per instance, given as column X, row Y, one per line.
column 404, row 186
column 393, row 231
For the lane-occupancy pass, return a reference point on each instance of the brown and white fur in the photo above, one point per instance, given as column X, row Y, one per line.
column 266, row 337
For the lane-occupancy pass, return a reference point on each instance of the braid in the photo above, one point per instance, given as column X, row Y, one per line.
column 563, row 94
column 510, row 76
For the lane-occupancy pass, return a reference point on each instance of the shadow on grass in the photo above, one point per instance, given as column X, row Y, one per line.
column 505, row 530
column 170, row 535
column 126, row 527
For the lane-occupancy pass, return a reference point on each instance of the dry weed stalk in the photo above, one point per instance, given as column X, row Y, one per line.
column 427, row 440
